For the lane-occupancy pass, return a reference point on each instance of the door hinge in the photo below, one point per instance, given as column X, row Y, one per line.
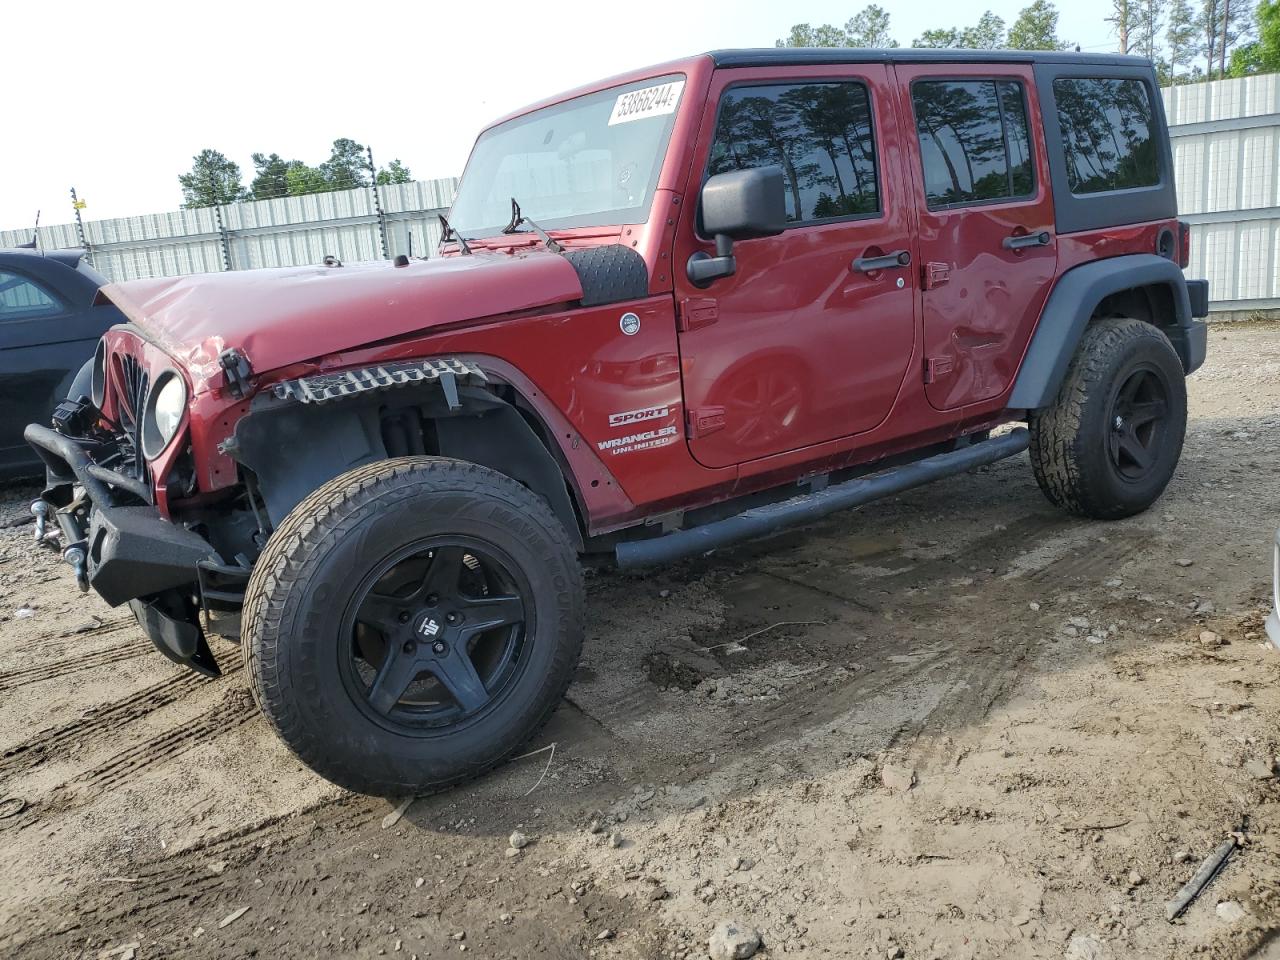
column 697, row 312
column 935, row 274
column 936, row 367
column 704, row 420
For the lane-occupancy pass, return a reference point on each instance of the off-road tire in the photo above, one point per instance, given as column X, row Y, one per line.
column 292, row 607
column 1069, row 438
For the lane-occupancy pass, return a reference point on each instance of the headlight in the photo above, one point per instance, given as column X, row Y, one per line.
column 98, row 379
column 165, row 406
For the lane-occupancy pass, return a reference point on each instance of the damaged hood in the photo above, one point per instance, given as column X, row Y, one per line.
column 277, row 317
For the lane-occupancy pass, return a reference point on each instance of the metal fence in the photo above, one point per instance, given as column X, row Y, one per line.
column 1226, row 154
column 1226, row 161
column 351, row 225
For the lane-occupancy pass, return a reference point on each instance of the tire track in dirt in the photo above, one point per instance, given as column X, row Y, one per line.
column 128, row 650
column 102, row 629
column 165, row 889
column 233, row 710
column 103, row 722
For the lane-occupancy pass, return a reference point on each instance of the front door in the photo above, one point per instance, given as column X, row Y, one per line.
column 987, row 249
column 810, row 339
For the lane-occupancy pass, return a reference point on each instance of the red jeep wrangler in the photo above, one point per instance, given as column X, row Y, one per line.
column 673, row 310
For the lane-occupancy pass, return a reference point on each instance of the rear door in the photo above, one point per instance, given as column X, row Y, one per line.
column 988, row 253
column 801, row 345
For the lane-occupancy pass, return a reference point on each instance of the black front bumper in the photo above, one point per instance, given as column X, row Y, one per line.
column 131, row 554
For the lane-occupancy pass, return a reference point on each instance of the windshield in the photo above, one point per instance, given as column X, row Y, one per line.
column 591, row 161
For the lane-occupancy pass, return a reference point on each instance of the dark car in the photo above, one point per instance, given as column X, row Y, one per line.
column 48, row 330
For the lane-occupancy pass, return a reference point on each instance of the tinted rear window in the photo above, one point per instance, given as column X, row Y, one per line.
column 1107, row 134
column 974, row 142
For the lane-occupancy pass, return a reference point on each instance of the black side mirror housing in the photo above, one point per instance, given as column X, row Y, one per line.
column 738, row 205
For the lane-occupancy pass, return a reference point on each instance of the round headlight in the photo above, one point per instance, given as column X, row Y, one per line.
column 165, row 406
column 98, row 378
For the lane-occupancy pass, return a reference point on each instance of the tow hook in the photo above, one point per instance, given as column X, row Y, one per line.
column 76, row 556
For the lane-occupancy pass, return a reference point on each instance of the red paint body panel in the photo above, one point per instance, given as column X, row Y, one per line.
column 977, row 323
column 805, row 349
column 283, row 316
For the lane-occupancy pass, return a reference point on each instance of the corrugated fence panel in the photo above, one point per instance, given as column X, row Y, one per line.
column 289, row 231
column 1226, row 161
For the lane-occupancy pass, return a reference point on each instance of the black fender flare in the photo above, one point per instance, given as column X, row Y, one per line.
column 1070, row 307
column 293, row 447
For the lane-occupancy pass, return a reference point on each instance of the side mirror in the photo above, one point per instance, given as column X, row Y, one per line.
column 739, row 205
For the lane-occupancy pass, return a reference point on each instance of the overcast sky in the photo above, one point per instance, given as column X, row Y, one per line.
column 115, row 98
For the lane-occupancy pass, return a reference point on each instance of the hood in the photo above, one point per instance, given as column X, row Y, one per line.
column 277, row 317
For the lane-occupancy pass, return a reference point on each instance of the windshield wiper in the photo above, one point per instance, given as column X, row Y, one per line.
column 517, row 218
column 448, row 233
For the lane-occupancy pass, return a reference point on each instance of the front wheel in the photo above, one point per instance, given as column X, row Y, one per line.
column 1108, row 445
column 413, row 623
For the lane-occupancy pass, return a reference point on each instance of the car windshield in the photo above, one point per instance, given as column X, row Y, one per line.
column 591, row 161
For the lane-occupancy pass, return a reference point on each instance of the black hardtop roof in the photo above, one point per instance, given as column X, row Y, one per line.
column 799, row 56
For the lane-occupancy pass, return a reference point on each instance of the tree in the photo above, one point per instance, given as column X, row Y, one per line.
column 939, row 39
column 1146, row 36
column 869, row 28
column 1180, row 35
column 347, row 166
column 1036, row 28
column 394, row 172
column 986, row 34
column 803, row 35
column 213, row 180
column 270, row 176
column 1123, row 20
column 303, row 180
column 1207, row 23
column 1263, row 54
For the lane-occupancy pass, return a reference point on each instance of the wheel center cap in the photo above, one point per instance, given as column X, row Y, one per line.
column 428, row 627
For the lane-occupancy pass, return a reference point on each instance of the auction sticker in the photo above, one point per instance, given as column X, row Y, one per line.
column 648, row 102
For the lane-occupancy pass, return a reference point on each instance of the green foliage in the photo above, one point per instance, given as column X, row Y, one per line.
column 1263, row 54
column 1180, row 38
column 986, row 34
column 213, row 180
column 394, row 172
column 1036, row 28
column 347, row 166
column 867, row 28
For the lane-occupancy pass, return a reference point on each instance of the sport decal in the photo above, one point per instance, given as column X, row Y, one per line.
column 638, row 416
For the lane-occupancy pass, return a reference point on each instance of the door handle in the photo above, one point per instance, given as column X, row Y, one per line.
column 1040, row 239
column 890, row 261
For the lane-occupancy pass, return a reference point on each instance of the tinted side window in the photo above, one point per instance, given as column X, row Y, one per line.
column 819, row 133
column 974, row 141
column 1106, row 133
column 21, row 298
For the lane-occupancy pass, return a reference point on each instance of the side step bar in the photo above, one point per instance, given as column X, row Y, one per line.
column 761, row 521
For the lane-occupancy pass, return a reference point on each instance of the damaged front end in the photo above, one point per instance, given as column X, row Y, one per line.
column 99, row 506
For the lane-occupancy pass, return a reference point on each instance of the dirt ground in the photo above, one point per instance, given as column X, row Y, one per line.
column 956, row 724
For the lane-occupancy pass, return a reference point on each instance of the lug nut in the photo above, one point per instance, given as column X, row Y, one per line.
column 404, row 616
column 451, row 618
column 438, row 647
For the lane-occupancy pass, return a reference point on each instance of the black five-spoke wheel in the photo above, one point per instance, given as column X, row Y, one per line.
column 1138, row 415
column 413, row 623
column 436, row 633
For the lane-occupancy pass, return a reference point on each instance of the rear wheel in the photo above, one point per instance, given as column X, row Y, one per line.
column 413, row 623
column 1108, row 445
